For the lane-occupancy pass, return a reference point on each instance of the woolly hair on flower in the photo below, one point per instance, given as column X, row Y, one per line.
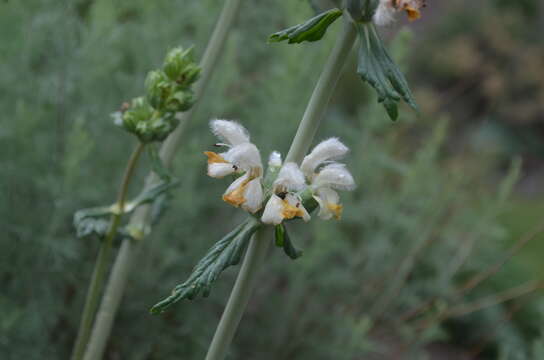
column 327, row 150
column 285, row 192
column 229, row 131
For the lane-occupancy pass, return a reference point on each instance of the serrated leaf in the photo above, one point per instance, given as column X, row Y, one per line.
column 378, row 69
column 225, row 253
column 91, row 221
column 283, row 240
column 311, row 30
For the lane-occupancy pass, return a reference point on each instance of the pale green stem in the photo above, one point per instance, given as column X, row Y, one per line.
column 300, row 145
column 322, row 94
column 102, row 261
column 140, row 219
column 240, row 296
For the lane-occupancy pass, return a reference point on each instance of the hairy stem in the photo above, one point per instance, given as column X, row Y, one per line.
column 140, row 219
column 321, row 95
column 103, row 259
column 300, row 145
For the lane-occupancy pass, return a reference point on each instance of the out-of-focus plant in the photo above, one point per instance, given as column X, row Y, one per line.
column 151, row 119
column 55, row 75
column 488, row 72
column 165, row 89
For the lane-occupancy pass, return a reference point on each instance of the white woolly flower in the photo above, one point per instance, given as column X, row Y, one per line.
column 386, row 10
column 385, row 13
column 328, row 150
column 333, row 176
column 242, row 157
column 284, row 203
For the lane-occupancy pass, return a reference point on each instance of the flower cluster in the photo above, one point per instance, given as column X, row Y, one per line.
column 386, row 10
column 289, row 190
column 153, row 117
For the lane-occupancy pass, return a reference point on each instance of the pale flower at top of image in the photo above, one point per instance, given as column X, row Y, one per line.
column 385, row 13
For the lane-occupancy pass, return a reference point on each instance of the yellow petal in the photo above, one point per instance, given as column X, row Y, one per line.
column 336, row 209
column 236, row 196
column 214, row 157
column 289, row 211
column 413, row 13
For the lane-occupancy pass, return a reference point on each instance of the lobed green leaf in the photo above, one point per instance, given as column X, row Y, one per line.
column 312, row 30
column 378, row 69
column 91, row 221
column 225, row 253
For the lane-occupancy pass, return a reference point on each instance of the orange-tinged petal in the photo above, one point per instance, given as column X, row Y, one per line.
column 289, row 211
column 236, row 197
column 214, row 157
column 413, row 13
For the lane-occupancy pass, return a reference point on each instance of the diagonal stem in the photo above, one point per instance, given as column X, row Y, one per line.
column 103, row 259
column 301, row 143
column 140, row 219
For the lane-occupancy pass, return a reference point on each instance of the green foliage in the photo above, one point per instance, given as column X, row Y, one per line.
column 362, row 10
column 282, row 240
column 94, row 221
column 225, row 253
column 422, row 190
column 378, row 69
column 311, row 30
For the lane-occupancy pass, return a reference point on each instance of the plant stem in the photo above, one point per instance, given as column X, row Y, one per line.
column 208, row 64
column 103, row 259
column 299, row 147
column 322, row 94
column 239, row 297
column 129, row 248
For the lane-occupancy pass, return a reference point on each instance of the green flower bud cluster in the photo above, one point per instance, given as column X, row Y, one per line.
column 168, row 91
column 147, row 123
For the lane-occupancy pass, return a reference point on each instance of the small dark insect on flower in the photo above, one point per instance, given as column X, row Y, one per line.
column 282, row 195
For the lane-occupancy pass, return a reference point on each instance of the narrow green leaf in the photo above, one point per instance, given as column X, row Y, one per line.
column 312, row 30
column 380, row 71
column 226, row 252
column 283, row 240
column 279, row 235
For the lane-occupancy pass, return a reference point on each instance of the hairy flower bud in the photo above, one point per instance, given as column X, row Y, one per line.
column 159, row 88
column 166, row 95
column 180, row 67
column 148, row 124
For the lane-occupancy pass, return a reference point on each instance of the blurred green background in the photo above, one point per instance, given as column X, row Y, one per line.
column 441, row 197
